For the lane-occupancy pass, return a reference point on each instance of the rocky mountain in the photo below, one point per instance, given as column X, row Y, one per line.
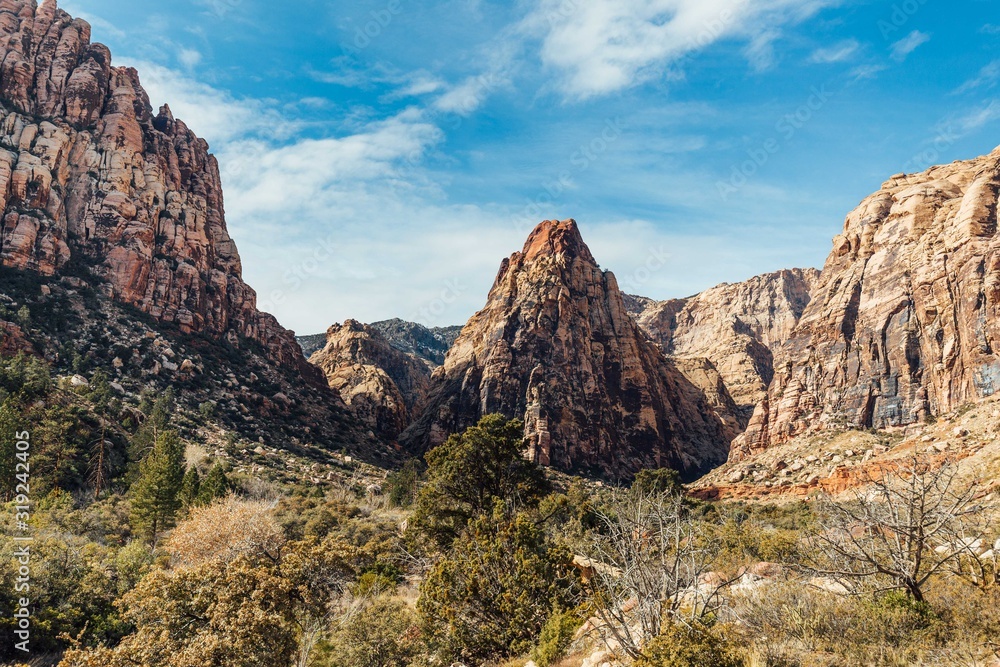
column 555, row 346
column 430, row 344
column 735, row 326
column 903, row 323
column 114, row 252
column 427, row 343
column 92, row 180
column 384, row 386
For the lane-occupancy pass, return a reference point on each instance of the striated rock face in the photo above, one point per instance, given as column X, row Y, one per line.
column 735, row 326
column 383, row 386
column 90, row 177
column 555, row 346
column 904, row 319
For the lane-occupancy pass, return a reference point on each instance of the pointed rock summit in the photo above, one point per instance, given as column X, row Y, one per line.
column 556, row 347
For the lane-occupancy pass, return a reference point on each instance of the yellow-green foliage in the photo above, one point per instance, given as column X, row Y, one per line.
column 683, row 646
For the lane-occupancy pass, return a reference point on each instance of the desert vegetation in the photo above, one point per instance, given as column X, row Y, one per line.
column 148, row 555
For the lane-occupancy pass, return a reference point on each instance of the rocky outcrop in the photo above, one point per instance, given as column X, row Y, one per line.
column 91, row 180
column 555, row 346
column 429, row 344
column 14, row 341
column 735, row 326
column 904, row 319
column 383, row 386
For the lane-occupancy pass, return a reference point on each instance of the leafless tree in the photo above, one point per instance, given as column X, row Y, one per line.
column 648, row 567
column 911, row 521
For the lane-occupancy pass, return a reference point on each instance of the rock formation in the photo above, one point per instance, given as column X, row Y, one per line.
column 555, row 346
column 429, row 344
column 92, row 180
column 903, row 322
column 383, row 386
column 735, row 326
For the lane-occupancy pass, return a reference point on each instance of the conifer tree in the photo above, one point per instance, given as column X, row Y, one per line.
column 156, row 493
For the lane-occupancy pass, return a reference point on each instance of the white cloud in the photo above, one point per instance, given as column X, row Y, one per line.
column 836, row 53
column 986, row 78
column 907, row 45
column 977, row 118
column 189, row 57
column 601, row 46
column 215, row 115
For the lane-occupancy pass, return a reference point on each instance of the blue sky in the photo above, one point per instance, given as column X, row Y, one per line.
column 380, row 157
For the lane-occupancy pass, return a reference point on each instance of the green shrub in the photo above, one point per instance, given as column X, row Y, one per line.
column 557, row 633
column 681, row 646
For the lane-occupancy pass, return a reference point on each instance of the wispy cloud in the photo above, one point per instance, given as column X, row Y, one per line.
column 602, row 46
column 977, row 119
column 990, row 29
column 216, row 115
column 904, row 47
column 986, row 78
column 836, row 53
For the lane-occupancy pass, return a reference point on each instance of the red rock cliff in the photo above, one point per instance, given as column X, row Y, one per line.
column 89, row 175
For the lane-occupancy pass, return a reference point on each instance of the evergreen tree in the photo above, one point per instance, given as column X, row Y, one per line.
column 470, row 471
column 215, row 485
column 190, row 487
column 156, row 493
column 158, row 413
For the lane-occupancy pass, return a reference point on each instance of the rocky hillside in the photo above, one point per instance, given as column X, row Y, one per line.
column 555, row 346
column 427, row 343
column 903, row 324
column 384, row 386
column 114, row 251
column 91, row 178
column 735, row 326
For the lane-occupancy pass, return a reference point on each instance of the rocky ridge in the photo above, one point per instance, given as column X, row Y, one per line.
column 555, row 346
column 383, row 386
column 734, row 326
column 92, row 181
column 903, row 324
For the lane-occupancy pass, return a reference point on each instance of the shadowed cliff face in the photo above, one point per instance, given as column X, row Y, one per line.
column 735, row 326
column 89, row 177
column 555, row 346
column 903, row 322
column 385, row 387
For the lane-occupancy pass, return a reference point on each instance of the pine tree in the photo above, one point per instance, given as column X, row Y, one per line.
column 215, row 485
column 190, row 487
column 156, row 493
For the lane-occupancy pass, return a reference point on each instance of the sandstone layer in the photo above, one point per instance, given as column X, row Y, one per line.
column 92, row 182
column 555, row 346
column 903, row 322
column 383, row 386
column 735, row 326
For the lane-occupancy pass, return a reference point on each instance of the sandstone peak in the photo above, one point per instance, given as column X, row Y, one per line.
column 556, row 237
column 93, row 178
column 903, row 321
column 555, row 347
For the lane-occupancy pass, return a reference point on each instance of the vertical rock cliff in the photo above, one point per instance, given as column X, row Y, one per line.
column 905, row 319
column 735, row 326
column 555, row 346
column 91, row 179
